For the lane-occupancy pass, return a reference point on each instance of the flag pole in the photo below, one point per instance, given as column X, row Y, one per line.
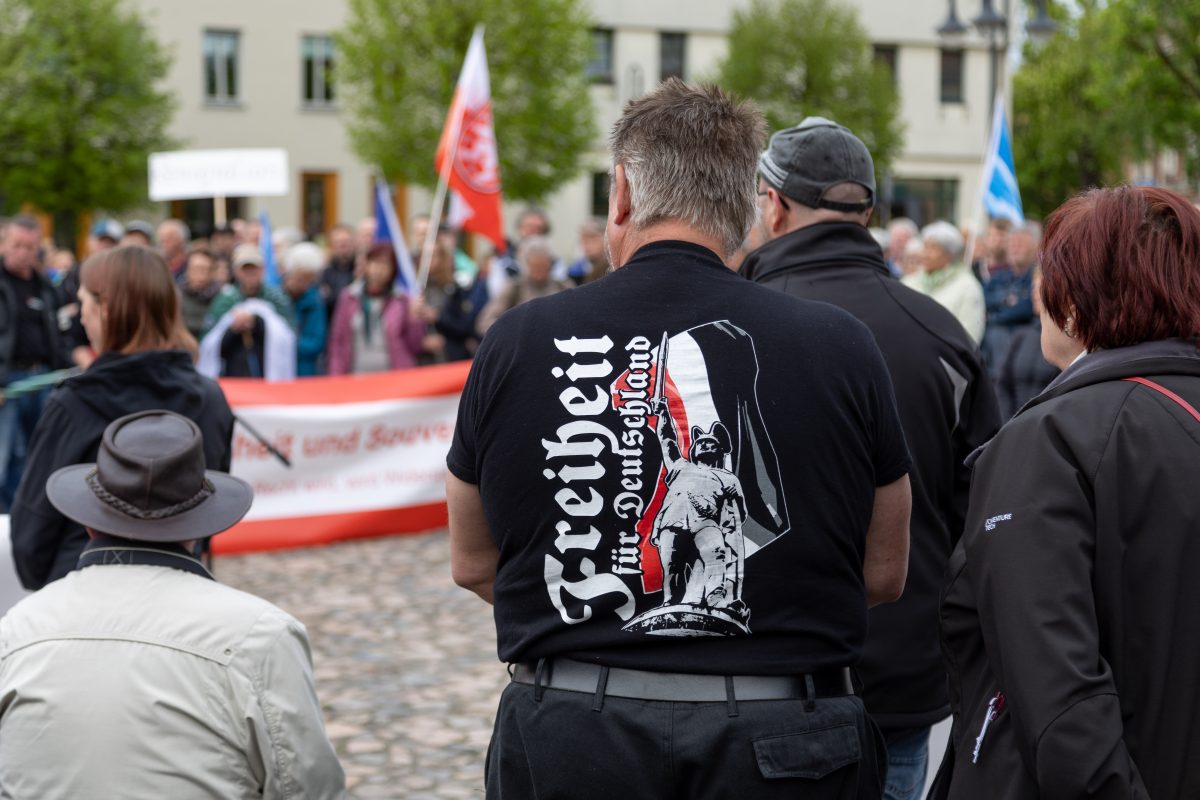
column 439, row 196
column 439, row 201
column 977, row 211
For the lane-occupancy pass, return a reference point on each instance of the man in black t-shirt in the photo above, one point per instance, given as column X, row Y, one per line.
column 817, row 188
column 681, row 491
column 30, row 344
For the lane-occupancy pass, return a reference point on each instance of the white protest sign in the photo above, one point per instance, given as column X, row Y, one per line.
column 192, row 174
column 347, row 457
column 367, row 455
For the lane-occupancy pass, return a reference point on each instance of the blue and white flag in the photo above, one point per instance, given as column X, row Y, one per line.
column 270, row 266
column 1001, row 195
column 387, row 229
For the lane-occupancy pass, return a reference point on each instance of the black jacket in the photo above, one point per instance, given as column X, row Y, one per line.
column 1024, row 372
column 458, row 316
column 1074, row 592
column 947, row 408
column 46, row 544
column 51, row 300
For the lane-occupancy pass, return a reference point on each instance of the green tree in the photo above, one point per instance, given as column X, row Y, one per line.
column 1118, row 83
column 1069, row 131
column 79, row 111
column 400, row 60
column 1155, row 47
column 800, row 58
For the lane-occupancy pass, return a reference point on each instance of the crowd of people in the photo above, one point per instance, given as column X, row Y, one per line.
column 334, row 307
column 746, row 505
column 337, row 306
column 992, row 294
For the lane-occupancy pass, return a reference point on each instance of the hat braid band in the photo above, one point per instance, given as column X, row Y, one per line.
column 129, row 509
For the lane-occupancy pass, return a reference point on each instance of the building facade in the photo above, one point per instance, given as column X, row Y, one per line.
column 261, row 74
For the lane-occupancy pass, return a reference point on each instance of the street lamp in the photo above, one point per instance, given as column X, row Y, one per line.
column 952, row 27
column 1041, row 27
column 993, row 24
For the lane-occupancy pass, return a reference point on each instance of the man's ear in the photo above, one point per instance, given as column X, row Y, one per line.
column 777, row 216
column 619, row 206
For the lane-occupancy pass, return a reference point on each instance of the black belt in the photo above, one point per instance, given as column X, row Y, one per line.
column 576, row 676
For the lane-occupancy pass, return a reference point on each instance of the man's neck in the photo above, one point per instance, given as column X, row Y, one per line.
column 24, row 273
column 667, row 230
column 800, row 217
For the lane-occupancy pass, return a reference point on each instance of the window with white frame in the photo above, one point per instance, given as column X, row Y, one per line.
column 221, row 78
column 317, row 56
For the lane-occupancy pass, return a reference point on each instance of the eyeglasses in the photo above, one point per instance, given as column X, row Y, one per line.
column 782, row 202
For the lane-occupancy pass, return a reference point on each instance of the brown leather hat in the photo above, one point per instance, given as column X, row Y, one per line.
column 149, row 483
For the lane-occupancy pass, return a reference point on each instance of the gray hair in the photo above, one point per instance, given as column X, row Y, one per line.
column 304, row 257
column 535, row 246
column 691, row 154
column 903, row 223
column 284, row 239
column 180, row 227
column 1032, row 227
column 881, row 237
column 27, row 222
column 945, row 236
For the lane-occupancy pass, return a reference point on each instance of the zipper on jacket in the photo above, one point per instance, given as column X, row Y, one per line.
column 994, row 707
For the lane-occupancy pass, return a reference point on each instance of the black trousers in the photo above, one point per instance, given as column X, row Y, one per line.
column 552, row 743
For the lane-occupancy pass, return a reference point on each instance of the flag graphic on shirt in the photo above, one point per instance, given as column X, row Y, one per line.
column 718, row 498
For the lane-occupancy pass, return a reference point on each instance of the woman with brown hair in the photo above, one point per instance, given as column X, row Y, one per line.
column 129, row 307
column 1069, row 613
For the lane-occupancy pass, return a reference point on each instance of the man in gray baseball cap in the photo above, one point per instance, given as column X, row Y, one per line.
column 816, row 193
column 821, row 165
column 138, row 675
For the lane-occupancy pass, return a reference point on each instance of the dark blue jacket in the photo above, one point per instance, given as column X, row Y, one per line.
column 1009, row 297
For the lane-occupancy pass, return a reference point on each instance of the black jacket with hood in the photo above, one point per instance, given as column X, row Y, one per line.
column 947, row 408
column 46, row 544
column 1074, row 591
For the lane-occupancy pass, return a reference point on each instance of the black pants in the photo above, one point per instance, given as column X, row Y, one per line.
column 558, row 746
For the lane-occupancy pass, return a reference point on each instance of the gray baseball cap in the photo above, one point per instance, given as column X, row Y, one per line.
column 804, row 161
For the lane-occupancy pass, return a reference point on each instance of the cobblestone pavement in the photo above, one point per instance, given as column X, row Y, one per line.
column 405, row 661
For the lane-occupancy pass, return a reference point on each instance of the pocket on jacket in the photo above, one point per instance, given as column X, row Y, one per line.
column 809, row 754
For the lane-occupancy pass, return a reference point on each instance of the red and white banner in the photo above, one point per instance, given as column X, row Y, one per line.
column 368, row 456
column 470, row 140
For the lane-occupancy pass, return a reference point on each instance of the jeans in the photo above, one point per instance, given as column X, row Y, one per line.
column 18, row 417
column 908, row 761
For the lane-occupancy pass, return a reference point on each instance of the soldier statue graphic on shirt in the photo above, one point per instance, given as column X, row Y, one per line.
column 698, row 529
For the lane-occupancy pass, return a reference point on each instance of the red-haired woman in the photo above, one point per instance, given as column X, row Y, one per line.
column 375, row 327
column 1069, row 619
column 129, row 307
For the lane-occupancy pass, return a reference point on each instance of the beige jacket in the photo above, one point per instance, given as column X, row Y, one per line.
column 150, row 682
column 957, row 290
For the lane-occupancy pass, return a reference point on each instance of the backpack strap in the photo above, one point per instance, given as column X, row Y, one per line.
column 1184, row 404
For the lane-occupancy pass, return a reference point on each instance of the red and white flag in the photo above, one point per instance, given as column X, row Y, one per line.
column 470, row 140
